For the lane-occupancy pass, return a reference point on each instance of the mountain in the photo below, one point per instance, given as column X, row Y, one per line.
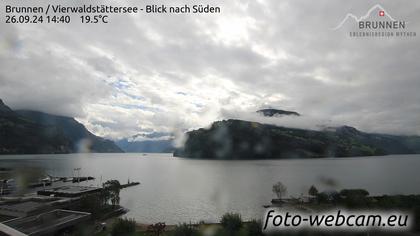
column 32, row 132
column 80, row 138
column 151, row 146
column 154, row 142
column 238, row 139
column 21, row 136
column 275, row 112
column 5, row 110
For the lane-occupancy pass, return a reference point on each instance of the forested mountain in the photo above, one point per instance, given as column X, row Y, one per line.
column 238, row 139
column 31, row 132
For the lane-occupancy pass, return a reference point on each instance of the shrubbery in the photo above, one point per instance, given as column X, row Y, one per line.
column 231, row 222
column 185, row 230
column 254, row 228
column 123, row 227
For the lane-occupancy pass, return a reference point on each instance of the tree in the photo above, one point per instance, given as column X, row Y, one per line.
column 123, row 227
column 313, row 191
column 185, row 230
column 279, row 189
column 112, row 188
column 92, row 203
column 231, row 222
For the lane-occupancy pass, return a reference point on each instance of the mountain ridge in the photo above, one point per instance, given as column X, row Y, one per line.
column 238, row 139
column 35, row 132
column 154, row 142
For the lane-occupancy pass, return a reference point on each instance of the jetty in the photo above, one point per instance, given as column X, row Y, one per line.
column 129, row 184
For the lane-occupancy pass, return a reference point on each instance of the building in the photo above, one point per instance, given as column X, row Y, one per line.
column 69, row 191
column 25, row 207
column 47, row 223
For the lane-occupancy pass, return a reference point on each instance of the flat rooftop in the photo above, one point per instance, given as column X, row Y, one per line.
column 69, row 191
column 24, row 207
column 48, row 222
column 27, row 206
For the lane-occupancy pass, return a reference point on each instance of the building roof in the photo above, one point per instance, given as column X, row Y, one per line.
column 48, row 222
column 23, row 206
column 69, row 191
column 26, row 207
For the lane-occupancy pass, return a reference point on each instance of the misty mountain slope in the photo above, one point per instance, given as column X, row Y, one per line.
column 81, row 139
column 155, row 142
column 412, row 141
column 152, row 146
column 22, row 136
column 237, row 139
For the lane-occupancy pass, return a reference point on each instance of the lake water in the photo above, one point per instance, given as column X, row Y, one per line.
column 182, row 190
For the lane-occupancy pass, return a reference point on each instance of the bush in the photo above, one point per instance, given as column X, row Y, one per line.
column 231, row 222
column 254, row 228
column 355, row 198
column 123, row 227
column 156, row 229
column 354, row 193
column 185, row 230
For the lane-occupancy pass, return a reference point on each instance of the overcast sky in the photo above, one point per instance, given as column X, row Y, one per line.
column 166, row 73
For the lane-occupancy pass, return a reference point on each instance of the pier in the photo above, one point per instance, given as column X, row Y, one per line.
column 129, row 184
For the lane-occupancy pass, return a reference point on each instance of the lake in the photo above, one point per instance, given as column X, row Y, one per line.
column 176, row 190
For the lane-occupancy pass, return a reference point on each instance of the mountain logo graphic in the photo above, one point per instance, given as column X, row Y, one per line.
column 349, row 16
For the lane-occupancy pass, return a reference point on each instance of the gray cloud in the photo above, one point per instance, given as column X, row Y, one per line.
column 168, row 73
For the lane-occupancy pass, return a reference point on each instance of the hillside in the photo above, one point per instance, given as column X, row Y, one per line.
column 21, row 136
column 73, row 130
column 153, row 142
column 151, row 146
column 32, row 132
column 237, row 139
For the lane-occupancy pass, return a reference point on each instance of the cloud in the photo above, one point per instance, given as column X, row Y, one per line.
column 170, row 73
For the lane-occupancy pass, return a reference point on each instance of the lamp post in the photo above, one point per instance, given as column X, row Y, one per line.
column 78, row 174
